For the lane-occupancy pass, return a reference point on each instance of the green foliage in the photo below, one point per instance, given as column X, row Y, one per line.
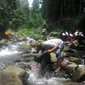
column 28, row 31
column 14, row 15
column 20, row 18
column 36, row 20
column 70, row 23
column 6, row 11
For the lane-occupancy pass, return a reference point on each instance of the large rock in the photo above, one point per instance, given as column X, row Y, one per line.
column 74, row 59
column 37, row 36
column 79, row 74
column 34, row 43
column 53, row 57
column 14, row 69
column 3, row 42
column 21, row 73
column 24, row 47
column 69, row 66
column 54, row 34
column 70, row 83
column 7, row 78
column 21, row 38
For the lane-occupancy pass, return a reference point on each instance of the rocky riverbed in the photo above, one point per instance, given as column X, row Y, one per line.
column 18, row 66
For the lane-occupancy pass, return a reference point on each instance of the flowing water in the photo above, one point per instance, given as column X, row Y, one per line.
column 35, row 80
column 10, row 53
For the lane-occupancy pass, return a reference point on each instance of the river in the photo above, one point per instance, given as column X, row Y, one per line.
column 8, row 54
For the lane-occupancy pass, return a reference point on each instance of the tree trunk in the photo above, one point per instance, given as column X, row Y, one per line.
column 80, row 8
column 73, row 7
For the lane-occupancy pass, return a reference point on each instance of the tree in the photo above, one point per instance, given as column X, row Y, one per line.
column 7, row 8
column 35, row 4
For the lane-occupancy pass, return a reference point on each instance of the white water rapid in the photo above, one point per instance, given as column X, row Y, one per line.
column 10, row 53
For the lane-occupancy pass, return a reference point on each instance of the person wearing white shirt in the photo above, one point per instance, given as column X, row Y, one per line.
column 54, row 45
column 81, row 34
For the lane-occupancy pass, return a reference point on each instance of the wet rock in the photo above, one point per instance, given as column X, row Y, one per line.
column 23, row 65
column 3, row 42
column 69, row 66
column 53, row 57
column 79, row 74
column 24, row 47
column 17, row 61
column 14, row 69
column 21, row 73
column 54, row 34
column 30, row 55
column 34, row 43
column 70, row 83
column 74, row 59
column 66, row 49
column 26, row 59
column 21, row 38
column 8, row 78
column 37, row 36
column 48, row 37
column 9, row 42
column 40, row 40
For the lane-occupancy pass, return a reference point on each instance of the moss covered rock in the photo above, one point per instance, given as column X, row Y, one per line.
column 70, row 83
column 24, row 47
column 79, row 74
column 53, row 57
column 7, row 78
column 14, row 69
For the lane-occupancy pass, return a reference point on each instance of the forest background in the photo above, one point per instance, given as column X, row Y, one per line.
column 56, row 15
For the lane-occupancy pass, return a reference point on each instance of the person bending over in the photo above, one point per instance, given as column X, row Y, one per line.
column 54, row 45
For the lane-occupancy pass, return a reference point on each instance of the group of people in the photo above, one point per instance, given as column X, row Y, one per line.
column 69, row 36
column 57, row 45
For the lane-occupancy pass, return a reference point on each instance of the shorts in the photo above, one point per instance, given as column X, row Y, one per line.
column 59, row 50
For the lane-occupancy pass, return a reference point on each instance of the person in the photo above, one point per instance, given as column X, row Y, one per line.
column 76, row 34
column 54, row 45
column 66, row 35
column 71, row 37
column 63, row 36
column 79, row 36
column 6, row 33
column 43, row 31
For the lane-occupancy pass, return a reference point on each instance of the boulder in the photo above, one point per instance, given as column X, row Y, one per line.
column 53, row 57
column 8, row 78
column 54, row 34
column 21, row 38
column 24, row 47
column 69, row 66
column 21, row 73
column 70, row 83
column 23, row 65
column 50, row 37
column 34, row 43
column 79, row 74
column 14, row 69
column 3, row 42
column 74, row 59
column 30, row 55
column 38, row 36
